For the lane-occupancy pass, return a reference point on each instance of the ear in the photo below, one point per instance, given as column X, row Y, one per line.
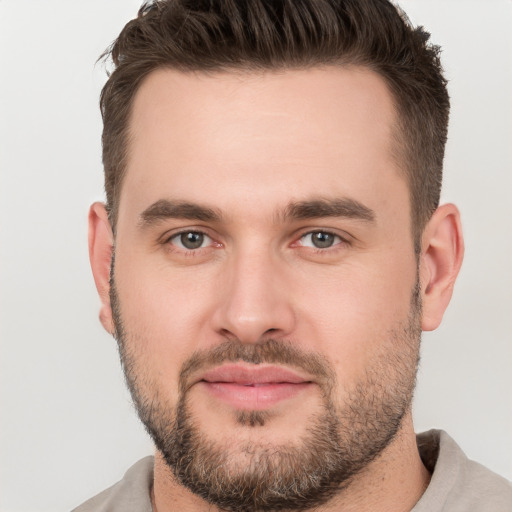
column 441, row 259
column 101, row 242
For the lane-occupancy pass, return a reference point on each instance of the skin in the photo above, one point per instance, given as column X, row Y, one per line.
column 247, row 145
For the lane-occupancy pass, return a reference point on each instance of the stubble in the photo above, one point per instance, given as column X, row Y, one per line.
column 339, row 440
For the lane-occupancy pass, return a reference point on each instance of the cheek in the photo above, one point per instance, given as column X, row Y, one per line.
column 161, row 315
column 350, row 315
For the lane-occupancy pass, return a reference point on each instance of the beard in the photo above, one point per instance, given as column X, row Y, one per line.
column 340, row 439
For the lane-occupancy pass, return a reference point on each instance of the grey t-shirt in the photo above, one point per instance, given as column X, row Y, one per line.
column 457, row 485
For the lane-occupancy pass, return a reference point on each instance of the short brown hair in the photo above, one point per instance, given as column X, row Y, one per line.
column 223, row 35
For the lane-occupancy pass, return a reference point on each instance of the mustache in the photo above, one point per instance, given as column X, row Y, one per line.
column 270, row 351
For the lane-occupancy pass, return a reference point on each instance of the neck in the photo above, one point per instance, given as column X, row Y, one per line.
column 394, row 482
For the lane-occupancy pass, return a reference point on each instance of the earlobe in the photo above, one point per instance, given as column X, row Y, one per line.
column 101, row 242
column 441, row 259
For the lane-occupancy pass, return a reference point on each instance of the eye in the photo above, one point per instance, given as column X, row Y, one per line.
column 320, row 239
column 190, row 240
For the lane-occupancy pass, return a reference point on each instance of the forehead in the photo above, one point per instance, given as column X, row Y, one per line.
column 270, row 134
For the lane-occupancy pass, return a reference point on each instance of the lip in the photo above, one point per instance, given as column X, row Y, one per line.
column 253, row 387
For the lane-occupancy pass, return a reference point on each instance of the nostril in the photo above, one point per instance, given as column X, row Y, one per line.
column 225, row 333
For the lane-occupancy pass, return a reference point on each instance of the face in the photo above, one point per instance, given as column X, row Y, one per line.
column 264, row 290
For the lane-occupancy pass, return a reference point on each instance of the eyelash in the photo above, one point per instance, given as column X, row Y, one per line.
column 340, row 244
column 183, row 250
column 337, row 245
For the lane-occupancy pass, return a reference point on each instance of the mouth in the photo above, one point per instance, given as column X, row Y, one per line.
column 250, row 387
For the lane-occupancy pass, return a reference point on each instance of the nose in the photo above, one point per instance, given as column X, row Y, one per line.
column 254, row 302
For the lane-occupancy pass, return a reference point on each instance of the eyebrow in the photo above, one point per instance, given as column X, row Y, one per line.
column 165, row 209
column 339, row 207
column 301, row 210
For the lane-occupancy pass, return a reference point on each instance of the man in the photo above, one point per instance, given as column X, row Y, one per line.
column 271, row 248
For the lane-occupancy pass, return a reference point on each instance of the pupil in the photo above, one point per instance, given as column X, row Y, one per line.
column 192, row 240
column 322, row 240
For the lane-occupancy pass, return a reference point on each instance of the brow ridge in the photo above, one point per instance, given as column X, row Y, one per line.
column 339, row 207
column 166, row 209
column 300, row 210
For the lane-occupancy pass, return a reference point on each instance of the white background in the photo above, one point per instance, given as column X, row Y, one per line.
column 67, row 425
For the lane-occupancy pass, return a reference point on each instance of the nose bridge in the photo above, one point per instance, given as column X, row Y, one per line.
column 255, row 301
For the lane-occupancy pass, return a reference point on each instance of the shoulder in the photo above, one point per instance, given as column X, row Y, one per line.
column 132, row 493
column 458, row 483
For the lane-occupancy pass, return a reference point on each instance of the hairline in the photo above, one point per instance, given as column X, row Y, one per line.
column 398, row 139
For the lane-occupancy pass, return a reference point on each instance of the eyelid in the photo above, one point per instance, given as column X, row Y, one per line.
column 336, row 238
column 173, row 232
column 206, row 239
column 166, row 238
column 344, row 237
